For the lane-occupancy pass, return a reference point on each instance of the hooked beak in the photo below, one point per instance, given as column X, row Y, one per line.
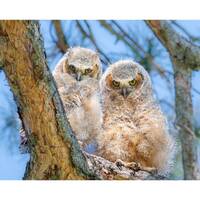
column 78, row 76
column 124, row 92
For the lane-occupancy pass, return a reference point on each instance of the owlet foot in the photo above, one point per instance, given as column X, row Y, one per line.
column 131, row 165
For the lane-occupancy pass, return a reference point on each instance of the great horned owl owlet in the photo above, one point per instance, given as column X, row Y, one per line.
column 77, row 75
column 134, row 128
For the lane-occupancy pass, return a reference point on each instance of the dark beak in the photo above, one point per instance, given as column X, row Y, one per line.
column 78, row 76
column 124, row 92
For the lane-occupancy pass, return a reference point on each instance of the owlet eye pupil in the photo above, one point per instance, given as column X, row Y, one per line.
column 116, row 84
column 72, row 68
column 87, row 71
column 132, row 83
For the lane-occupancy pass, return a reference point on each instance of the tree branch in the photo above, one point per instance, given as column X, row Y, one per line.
column 185, row 58
column 107, row 170
column 61, row 43
column 191, row 37
column 179, row 48
column 133, row 45
column 55, row 153
column 125, row 34
column 90, row 36
column 119, row 36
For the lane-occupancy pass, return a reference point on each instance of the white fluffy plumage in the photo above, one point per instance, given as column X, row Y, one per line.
column 134, row 128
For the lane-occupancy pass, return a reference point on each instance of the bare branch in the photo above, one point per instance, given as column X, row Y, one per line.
column 135, row 47
column 61, row 43
column 91, row 37
column 111, row 171
column 185, row 57
column 195, row 90
column 119, row 36
column 180, row 49
column 191, row 37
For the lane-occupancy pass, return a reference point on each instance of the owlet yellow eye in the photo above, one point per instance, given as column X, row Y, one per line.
column 115, row 84
column 87, row 71
column 132, row 82
column 72, row 68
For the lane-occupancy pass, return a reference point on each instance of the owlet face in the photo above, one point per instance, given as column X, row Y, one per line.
column 124, row 78
column 83, row 63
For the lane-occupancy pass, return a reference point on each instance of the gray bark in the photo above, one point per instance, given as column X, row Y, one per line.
column 185, row 57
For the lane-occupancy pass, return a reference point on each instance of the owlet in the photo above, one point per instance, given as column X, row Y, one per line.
column 77, row 76
column 134, row 128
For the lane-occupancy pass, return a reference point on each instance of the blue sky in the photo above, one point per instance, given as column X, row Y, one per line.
column 12, row 163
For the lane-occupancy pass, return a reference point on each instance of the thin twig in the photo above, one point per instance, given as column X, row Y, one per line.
column 91, row 37
column 191, row 37
column 129, row 37
column 134, row 46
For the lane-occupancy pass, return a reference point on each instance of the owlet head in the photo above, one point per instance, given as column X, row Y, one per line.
column 83, row 63
column 125, row 78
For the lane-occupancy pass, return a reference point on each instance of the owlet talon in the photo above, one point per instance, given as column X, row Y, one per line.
column 134, row 166
column 131, row 165
column 119, row 163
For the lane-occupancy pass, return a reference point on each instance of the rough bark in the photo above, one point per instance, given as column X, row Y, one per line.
column 54, row 150
column 107, row 170
column 185, row 58
column 180, row 49
column 184, row 121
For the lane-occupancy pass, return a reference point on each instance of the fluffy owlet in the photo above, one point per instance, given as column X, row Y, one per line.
column 134, row 128
column 77, row 75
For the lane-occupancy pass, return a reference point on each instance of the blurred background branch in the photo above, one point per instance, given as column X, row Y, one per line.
column 89, row 34
column 187, row 33
column 184, row 62
column 61, row 42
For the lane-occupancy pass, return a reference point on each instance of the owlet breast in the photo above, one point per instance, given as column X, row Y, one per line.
column 77, row 76
column 134, row 128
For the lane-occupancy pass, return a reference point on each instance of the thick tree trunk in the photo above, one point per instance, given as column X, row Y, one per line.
column 184, row 121
column 55, row 153
column 185, row 58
